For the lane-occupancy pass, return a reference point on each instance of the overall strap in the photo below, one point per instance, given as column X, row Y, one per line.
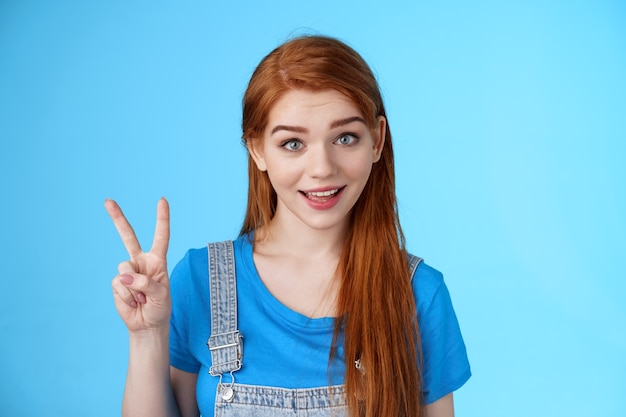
column 414, row 261
column 225, row 342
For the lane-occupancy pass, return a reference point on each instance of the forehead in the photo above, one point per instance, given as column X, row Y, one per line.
column 304, row 105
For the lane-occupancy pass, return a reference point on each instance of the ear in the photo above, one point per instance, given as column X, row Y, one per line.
column 256, row 152
column 378, row 137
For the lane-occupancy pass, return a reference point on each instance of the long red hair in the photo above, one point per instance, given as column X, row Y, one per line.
column 376, row 304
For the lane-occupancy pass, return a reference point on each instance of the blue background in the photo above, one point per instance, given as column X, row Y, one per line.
column 510, row 130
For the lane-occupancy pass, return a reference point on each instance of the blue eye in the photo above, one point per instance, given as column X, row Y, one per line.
column 292, row 145
column 346, row 139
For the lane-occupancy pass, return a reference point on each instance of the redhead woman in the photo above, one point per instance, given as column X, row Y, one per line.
column 337, row 319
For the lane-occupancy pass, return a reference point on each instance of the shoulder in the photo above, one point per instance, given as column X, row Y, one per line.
column 195, row 262
column 188, row 279
column 426, row 282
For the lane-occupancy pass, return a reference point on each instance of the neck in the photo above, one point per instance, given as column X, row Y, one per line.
column 298, row 264
column 292, row 236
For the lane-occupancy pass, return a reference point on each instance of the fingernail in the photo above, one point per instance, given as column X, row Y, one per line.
column 126, row 279
column 141, row 297
column 133, row 304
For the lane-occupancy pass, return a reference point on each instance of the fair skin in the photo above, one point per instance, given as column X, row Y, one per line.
column 318, row 153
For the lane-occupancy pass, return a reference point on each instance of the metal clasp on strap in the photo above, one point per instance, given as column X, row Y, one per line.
column 226, row 352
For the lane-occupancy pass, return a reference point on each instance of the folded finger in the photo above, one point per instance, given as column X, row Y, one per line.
column 121, row 292
column 126, row 267
column 141, row 284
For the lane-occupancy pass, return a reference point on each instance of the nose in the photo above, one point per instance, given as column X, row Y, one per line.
column 320, row 163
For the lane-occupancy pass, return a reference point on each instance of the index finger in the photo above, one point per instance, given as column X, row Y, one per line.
column 124, row 229
column 161, row 238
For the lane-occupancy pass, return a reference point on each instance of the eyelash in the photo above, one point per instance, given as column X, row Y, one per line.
column 354, row 137
column 286, row 143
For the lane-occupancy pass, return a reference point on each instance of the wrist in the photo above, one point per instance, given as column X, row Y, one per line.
column 147, row 337
column 149, row 349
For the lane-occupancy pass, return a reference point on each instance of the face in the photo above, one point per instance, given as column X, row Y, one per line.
column 318, row 152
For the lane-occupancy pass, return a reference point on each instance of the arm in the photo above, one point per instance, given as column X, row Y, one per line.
column 153, row 387
column 142, row 298
column 184, row 386
column 443, row 407
column 149, row 389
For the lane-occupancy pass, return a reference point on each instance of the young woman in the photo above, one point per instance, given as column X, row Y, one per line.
column 335, row 316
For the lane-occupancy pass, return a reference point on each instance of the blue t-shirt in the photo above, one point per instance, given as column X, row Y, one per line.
column 283, row 348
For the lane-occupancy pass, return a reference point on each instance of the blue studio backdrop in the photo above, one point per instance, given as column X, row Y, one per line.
column 509, row 122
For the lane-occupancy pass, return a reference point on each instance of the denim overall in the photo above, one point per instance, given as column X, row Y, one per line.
column 226, row 347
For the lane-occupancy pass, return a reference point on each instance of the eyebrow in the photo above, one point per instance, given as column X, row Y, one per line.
column 333, row 125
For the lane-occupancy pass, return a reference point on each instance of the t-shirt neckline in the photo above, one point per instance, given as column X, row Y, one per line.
column 267, row 298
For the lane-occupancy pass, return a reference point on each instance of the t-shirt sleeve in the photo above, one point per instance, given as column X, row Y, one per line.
column 445, row 364
column 181, row 286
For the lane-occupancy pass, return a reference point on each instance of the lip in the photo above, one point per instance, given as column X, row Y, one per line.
column 324, row 202
column 323, row 189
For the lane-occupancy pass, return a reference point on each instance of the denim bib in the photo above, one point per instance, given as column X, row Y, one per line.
column 226, row 347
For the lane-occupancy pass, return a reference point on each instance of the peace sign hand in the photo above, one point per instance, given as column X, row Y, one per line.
column 141, row 289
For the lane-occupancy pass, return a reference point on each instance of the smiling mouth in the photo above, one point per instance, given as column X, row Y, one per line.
column 321, row 196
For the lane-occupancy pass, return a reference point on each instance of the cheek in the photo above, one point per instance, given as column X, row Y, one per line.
column 360, row 170
column 281, row 174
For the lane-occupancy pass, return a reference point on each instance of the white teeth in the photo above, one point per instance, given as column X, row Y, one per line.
column 323, row 193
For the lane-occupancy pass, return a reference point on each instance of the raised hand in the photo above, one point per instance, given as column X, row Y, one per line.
column 141, row 289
